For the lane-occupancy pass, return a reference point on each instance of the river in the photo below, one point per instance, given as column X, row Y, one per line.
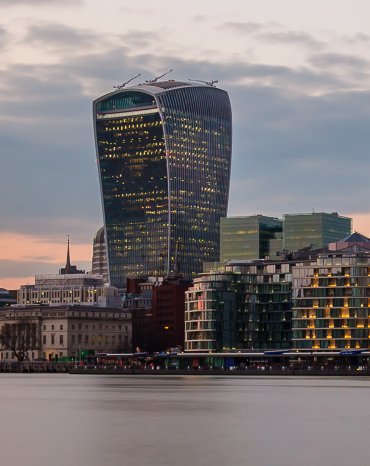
column 82, row 420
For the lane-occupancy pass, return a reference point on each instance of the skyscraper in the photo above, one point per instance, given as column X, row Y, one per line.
column 164, row 156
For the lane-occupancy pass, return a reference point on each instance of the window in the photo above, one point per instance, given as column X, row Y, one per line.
column 79, row 338
column 44, row 327
column 61, row 327
column 73, row 339
column 52, row 339
column 86, row 339
column 52, row 327
column 44, row 339
column 61, row 339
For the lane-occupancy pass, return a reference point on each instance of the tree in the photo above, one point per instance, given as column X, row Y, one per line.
column 19, row 337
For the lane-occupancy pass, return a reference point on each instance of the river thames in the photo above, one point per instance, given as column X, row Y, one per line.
column 81, row 420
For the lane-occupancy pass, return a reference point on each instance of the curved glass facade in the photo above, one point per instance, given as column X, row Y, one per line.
column 164, row 157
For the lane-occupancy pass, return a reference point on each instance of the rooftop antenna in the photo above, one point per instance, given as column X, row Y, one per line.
column 149, row 81
column 121, row 86
column 209, row 83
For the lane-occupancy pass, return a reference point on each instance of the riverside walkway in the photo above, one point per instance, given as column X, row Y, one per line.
column 82, row 369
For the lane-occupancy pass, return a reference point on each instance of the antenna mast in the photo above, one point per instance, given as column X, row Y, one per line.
column 121, row 86
column 149, row 81
column 209, row 83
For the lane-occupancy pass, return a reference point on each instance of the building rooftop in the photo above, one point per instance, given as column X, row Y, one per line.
column 99, row 238
column 168, row 84
column 356, row 238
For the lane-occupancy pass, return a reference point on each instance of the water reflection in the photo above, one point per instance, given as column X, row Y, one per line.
column 52, row 420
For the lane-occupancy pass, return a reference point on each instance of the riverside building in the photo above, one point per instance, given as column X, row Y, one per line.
column 68, row 331
column 157, row 306
column 245, row 307
column 331, row 298
column 164, row 157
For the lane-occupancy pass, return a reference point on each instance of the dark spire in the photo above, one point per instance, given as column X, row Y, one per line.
column 68, row 269
column 68, row 262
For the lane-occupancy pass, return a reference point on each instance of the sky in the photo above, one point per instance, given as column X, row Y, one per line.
column 297, row 73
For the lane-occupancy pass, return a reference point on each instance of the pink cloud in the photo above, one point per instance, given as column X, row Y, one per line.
column 17, row 247
column 361, row 223
column 10, row 283
column 23, row 247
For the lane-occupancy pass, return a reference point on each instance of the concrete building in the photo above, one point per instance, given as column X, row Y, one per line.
column 157, row 305
column 70, row 331
column 164, row 158
column 70, row 286
column 62, row 289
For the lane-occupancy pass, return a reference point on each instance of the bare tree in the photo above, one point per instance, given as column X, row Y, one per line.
column 19, row 337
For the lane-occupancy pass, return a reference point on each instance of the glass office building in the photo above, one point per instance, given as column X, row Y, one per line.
column 315, row 230
column 247, row 237
column 164, row 157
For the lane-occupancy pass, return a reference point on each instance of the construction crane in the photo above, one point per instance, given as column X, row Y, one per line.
column 121, row 86
column 149, row 81
column 209, row 83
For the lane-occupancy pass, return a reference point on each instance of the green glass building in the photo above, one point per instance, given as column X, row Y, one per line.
column 247, row 238
column 315, row 230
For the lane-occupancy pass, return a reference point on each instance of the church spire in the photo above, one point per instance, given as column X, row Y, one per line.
column 68, row 262
column 69, row 269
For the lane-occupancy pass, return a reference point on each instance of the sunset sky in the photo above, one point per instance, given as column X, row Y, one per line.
column 298, row 78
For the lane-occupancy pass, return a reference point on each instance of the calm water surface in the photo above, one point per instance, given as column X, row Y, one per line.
column 72, row 420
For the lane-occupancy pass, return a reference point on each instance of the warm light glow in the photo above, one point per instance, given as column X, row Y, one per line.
column 37, row 252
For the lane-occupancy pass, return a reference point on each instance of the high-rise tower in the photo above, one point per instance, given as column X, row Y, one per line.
column 164, row 156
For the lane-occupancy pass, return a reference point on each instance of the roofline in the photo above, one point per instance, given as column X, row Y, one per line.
column 153, row 90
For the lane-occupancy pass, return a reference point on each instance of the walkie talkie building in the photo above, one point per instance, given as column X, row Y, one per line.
column 164, row 157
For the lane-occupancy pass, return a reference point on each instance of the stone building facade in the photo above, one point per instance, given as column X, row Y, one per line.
column 70, row 331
